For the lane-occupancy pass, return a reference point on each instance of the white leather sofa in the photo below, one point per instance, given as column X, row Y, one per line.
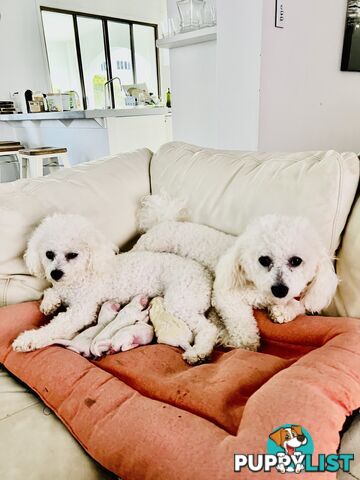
column 224, row 190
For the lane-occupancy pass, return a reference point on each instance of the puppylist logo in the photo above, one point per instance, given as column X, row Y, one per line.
column 290, row 449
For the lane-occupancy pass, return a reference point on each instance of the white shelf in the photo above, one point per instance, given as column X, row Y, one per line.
column 189, row 38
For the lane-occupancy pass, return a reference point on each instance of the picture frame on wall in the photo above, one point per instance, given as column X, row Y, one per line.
column 350, row 61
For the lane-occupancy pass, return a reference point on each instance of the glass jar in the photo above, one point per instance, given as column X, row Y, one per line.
column 209, row 14
column 190, row 12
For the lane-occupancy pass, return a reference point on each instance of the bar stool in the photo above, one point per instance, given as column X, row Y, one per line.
column 35, row 159
column 11, row 149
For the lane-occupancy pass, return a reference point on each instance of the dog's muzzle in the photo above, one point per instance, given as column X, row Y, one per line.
column 280, row 290
column 56, row 275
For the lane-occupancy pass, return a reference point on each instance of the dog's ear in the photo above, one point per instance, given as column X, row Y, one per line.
column 32, row 256
column 297, row 429
column 322, row 288
column 277, row 436
column 101, row 251
column 229, row 272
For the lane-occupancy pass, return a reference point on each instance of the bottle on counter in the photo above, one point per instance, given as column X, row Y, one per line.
column 168, row 98
column 28, row 99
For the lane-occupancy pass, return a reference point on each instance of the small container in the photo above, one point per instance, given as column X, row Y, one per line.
column 209, row 14
column 55, row 103
column 35, row 107
column 66, row 102
column 169, row 27
column 190, row 12
column 168, row 98
column 74, row 100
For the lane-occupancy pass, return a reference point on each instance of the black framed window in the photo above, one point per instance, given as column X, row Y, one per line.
column 85, row 51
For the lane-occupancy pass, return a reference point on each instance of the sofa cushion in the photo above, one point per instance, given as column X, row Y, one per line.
column 33, row 434
column 351, row 444
column 107, row 191
column 347, row 298
column 226, row 189
column 145, row 414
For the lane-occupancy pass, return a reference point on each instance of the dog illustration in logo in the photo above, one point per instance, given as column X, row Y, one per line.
column 289, row 439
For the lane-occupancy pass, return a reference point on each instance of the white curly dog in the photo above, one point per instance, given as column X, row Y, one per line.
column 278, row 263
column 85, row 272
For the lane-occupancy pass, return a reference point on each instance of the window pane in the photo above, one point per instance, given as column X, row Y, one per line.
column 93, row 60
column 120, row 52
column 145, row 57
column 61, row 52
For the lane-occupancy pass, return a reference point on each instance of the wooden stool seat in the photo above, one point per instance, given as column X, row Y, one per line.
column 10, row 149
column 8, row 143
column 35, row 158
column 42, row 151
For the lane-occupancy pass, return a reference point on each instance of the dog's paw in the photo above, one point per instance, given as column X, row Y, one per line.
column 193, row 357
column 280, row 315
column 248, row 342
column 252, row 345
column 101, row 347
column 29, row 341
column 48, row 308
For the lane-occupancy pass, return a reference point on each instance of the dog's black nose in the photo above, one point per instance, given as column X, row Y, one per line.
column 301, row 438
column 280, row 290
column 56, row 274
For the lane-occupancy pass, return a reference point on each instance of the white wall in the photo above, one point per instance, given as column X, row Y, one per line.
column 216, row 99
column 306, row 101
column 193, row 84
column 292, row 97
column 22, row 60
column 238, row 73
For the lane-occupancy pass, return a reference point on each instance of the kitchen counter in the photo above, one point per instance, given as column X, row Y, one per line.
column 87, row 114
column 92, row 134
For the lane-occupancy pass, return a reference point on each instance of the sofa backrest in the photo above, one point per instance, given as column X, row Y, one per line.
column 226, row 189
column 347, row 298
column 107, row 191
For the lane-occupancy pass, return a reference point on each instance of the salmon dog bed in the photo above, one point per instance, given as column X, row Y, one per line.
column 145, row 414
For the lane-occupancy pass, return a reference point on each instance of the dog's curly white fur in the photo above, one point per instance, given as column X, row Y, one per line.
column 278, row 263
column 84, row 271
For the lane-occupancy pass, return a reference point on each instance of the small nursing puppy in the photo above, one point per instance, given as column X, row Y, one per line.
column 85, row 272
column 278, row 263
column 117, row 329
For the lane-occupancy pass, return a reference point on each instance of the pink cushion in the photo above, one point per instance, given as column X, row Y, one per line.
column 145, row 414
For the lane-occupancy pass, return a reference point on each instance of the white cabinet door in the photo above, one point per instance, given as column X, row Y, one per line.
column 129, row 133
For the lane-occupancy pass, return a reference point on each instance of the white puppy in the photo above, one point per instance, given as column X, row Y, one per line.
column 278, row 263
column 133, row 313
column 82, row 341
column 109, row 322
column 84, row 271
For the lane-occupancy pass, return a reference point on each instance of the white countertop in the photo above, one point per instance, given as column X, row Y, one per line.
column 85, row 114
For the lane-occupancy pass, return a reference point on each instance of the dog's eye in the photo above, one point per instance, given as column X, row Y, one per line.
column 71, row 256
column 287, row 437
column 50, row 255
column 295, row 261
column 265, row 261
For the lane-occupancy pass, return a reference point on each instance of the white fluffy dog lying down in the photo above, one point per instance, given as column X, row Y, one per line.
column 278, row 263
column 84, row 271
